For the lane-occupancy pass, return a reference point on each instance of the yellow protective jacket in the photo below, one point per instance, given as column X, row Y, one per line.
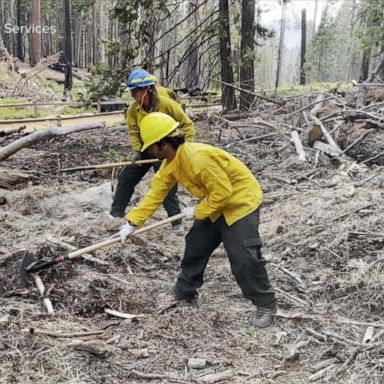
column 222, row 183
column 136, row 113
column 166, row 92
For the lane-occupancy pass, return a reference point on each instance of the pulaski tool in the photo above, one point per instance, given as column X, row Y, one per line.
column 30, row 265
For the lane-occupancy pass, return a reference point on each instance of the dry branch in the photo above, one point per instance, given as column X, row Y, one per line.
column 298, row 145
column 121, row 314
column 248, row 92
column 46, row 300
column 35, row 137
column 36, row 331
column 43, row 64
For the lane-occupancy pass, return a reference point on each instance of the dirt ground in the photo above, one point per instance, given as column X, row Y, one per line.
column 322, row 228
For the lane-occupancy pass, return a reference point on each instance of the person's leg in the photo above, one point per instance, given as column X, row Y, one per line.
column 200, row 242
column 243, row 245
column 128, row 178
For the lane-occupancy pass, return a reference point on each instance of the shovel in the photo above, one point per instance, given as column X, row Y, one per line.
column 109, row 165
column 30, row 265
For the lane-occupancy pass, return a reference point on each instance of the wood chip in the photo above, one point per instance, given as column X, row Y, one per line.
column 216, row 377
column 121, row 314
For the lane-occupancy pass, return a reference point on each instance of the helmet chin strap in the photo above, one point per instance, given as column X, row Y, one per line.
column 142, row 98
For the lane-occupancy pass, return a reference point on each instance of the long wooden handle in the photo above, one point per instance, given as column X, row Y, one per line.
column 109, row 165
column 104, row 243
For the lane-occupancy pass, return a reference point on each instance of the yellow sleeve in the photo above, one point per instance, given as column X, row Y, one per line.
column 219, row 188
column 133, row 128
column 161, row 184
column 187, row 126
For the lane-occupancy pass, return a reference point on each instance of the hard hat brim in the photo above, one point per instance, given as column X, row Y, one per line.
column 147, row 145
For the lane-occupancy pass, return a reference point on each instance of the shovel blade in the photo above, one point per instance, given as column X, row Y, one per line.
column 27, row 260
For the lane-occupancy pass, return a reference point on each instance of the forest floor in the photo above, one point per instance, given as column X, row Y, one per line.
column 323, row 233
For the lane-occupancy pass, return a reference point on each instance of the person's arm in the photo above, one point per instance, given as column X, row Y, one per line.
column 186, row 124
column 160, row 186
column 133, row 128
column 219, row 188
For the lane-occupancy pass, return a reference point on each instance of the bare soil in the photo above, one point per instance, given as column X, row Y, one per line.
column 323, row 232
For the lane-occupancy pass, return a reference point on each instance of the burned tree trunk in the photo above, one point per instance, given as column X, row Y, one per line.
column 228, row 98
column 247, row 48
column 67, row 48
column 364, row 71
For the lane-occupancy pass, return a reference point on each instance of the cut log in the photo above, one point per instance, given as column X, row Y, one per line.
column 298, row 145
column 35, row 137
column 326, row 148
column 326, row 134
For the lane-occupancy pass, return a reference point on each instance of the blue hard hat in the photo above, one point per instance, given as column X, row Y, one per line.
column 140, row 78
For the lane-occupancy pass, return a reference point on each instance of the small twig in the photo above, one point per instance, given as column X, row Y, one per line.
column 372, row 158
column 34, row 331
column 292, row 297
column 350, row 212
column 121, row 314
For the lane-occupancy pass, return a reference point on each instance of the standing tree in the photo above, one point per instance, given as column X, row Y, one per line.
column 247, row 52
column 303, row 45
column 19, row 36
column 35, row 36
column 192, row 67
column 67, row 48
column 228, row 98
column 281, row 44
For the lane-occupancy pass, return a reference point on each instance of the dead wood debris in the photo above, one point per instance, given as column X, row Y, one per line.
column 323, row 239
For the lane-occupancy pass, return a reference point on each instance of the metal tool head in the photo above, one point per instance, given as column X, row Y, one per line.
column 26, row 262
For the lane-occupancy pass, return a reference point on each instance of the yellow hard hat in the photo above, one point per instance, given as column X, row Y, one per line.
column 154, row 127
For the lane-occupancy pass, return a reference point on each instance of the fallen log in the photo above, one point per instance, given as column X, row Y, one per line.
column 35, row 137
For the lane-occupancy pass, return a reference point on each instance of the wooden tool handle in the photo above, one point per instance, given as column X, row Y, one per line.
column 109, row 165
column 104, row 243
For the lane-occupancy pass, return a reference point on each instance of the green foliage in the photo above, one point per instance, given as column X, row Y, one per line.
column 137, row 18
column 371, row 16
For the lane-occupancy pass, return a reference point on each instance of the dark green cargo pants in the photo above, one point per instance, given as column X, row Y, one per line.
column 242, row 242
column 127, row 180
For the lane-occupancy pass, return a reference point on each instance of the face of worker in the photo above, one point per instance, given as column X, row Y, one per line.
column 158, row 150
column 140, row 95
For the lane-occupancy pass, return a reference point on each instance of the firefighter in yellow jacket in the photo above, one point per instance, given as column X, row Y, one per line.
column 228, row 211
column 149, row 97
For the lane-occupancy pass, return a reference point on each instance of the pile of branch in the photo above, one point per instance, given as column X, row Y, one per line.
column 335, row 126
column 22, row 84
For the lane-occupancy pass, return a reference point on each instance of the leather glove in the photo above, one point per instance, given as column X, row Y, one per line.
column 126, row 231
column 136, row 155
column 189, row 212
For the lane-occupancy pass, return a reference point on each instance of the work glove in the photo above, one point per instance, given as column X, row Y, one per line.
column 126, row 231
column 136, row 155
column 189, row 212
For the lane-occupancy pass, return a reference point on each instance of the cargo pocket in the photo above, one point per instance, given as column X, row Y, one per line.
column 253, row 247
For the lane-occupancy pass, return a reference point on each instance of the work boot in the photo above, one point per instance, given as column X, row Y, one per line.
column 178, row 229
column 116, row 213
column 263, row 317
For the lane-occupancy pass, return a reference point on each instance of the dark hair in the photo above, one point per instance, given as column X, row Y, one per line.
column 154, row 101
column 175, row 141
